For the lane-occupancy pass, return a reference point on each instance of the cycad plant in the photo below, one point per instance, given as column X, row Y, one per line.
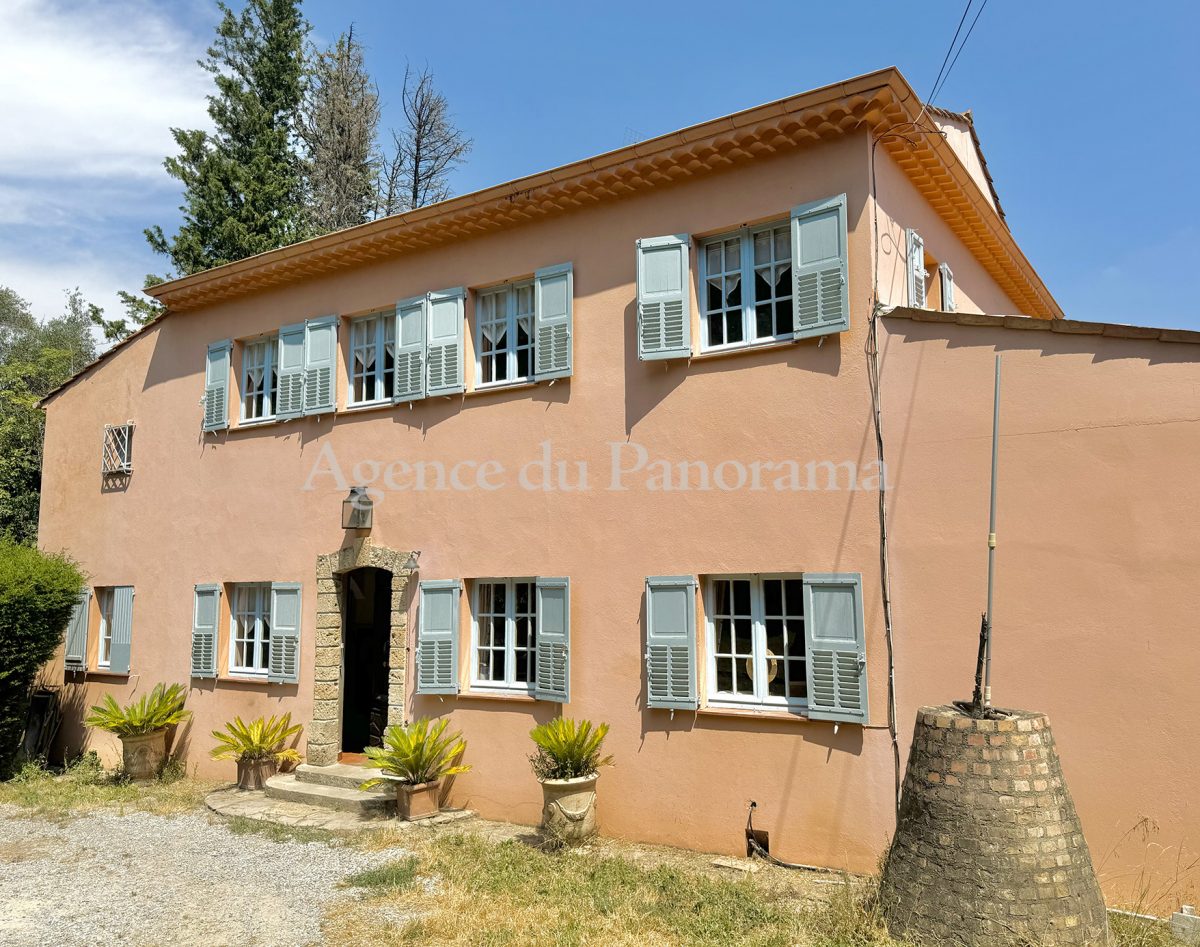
column 260, row 739
column 567, row 749
column 161, row 708
column 419, row 752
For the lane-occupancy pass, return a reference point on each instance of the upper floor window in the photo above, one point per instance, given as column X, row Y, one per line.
column 260, row 379
column 747, row 280
column 756, row 640
column 117, row 456
column 373, row 359
column 504, row 338
column 250, row 633
column 505, row 645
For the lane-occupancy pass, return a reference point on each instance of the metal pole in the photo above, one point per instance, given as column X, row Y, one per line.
column 987, row 674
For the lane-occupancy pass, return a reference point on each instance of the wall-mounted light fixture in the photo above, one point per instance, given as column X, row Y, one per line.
column 358, row 511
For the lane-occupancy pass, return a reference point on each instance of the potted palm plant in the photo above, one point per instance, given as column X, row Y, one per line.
column 567, row 764
column 416, row 757
column 258, row 747
column 142, row 727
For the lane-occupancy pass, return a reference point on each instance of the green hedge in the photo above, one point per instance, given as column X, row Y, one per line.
column 37, row 594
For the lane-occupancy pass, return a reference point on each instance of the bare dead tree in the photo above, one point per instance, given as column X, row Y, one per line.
column 424, row 151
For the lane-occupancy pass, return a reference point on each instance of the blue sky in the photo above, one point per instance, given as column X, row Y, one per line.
column 1086, row 112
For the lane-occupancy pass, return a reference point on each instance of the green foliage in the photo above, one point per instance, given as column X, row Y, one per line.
column 38, row 592
column 161, row 708
column 416, row 753
column 567, row 749
column 139, row 311
column 394, row 876
column 256, row 740
column 35, row 358
column 242, row 183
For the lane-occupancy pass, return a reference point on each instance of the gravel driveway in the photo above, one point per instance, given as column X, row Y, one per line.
column 141, row 879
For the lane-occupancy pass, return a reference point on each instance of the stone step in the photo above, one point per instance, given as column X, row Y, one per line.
column 379, row 804
column 343, row 775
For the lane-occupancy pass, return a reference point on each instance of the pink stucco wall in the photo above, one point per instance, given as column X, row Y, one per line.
column 233, row 507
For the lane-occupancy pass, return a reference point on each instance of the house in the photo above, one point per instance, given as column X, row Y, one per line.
column 615, row 423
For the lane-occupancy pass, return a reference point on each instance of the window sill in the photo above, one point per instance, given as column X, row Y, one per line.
column 255, row 422
column 367, row 406
column 756, row 346
column 503, row 386
column 748, row 713
column 520, row 697
column 105, row 673
column 244, row 678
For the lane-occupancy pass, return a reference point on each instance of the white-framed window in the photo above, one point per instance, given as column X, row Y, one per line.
column 104, row 601
column 373, row 359
column 260, row 379
column 504, row 334
column 747, row 293
column 250, row 629
column 504, row 635
column 117, row 454
column 756, row 652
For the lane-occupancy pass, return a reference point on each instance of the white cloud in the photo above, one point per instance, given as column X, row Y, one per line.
column 93, row 89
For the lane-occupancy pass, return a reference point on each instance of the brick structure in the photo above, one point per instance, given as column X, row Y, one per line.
column 989, row 850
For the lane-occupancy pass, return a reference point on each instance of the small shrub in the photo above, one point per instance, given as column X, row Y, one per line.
column 257, row 740
column 161, row 708
column 173, row 770
column 38, row 592
column 567, row 749
column 419, row 752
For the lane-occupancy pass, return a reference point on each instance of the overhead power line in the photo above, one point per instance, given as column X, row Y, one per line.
column 940, row 85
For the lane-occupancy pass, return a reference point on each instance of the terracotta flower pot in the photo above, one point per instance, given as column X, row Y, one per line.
column 569, row 808
column 417, row 802
column 142, row 756
column 253, row 774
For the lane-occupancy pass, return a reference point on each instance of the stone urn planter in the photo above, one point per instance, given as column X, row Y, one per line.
column 416, row 802
column 569, row 808
column 142, row 756
column 253, row 774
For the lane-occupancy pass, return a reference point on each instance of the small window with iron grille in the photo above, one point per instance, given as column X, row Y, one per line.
column 118, row 449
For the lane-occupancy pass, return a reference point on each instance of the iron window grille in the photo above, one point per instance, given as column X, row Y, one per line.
column 117, row 456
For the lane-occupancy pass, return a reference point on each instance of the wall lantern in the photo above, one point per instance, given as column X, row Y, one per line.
column 357, row 509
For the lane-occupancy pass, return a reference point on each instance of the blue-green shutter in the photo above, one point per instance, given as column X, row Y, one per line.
column 75, row 655
column 947, row 278
column 320, row 364
column 664, row 309
column 835, row 647
column 819, row 268
column 916, row 269
column 216, row 386
column 205, row 617
column 122, row 629
column 437, row 637
column 284, row 664
column 444, row 343
column 671, row 642
column 553, row 677
column 554, row 290
column 411, row 318
column 289, row 397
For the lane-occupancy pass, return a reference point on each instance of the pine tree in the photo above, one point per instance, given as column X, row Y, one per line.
column 243, row 184
column 338, row 125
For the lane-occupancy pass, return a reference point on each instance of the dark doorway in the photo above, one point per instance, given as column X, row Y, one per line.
column 366, row 637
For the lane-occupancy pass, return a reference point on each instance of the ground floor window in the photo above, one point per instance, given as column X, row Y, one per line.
column 756, row 640
column 104, row 599
column 250, row 631
column 504, row 645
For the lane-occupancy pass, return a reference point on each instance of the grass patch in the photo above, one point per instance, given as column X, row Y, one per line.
column 394, row 876
column 512, row 894
column 1138, row 932
column 86, row 786
column 240, row 825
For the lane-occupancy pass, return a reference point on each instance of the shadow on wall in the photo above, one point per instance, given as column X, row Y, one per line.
column 648, row 383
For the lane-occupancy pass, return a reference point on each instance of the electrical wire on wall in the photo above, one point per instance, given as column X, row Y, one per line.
column 907, row 132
